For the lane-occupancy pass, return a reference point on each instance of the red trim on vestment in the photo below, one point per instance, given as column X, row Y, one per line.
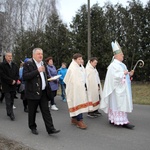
column 81, row 106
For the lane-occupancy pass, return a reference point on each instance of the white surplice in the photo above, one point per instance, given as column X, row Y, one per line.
column 75, row 89
column 94, row 89
column 117, row 96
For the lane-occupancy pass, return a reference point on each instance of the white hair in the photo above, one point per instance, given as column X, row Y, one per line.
column 8, row 52
column 35, row 49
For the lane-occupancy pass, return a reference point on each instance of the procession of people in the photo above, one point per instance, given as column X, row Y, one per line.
column 81, row 89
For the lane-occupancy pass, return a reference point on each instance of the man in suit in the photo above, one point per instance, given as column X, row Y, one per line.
column 36, row 91
column 9, row 73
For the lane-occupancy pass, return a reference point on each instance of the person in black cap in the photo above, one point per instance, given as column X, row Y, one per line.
column 22, row 86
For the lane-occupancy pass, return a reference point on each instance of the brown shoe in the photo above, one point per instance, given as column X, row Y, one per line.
column 81, row 124
column 74, row 121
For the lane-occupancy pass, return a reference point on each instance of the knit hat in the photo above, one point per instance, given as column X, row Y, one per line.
column 26, row 59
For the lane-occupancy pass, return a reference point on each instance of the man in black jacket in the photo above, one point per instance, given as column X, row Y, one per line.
column 9, row 73
column 36, row 91
column 2, row 94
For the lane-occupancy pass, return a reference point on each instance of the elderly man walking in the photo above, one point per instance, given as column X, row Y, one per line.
column 117, row 96
column 9, row 73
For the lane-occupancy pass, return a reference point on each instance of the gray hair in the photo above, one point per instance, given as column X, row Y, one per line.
column 35, row 49
column 7, row 52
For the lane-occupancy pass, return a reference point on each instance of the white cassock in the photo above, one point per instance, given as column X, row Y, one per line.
column 75, row 89
column 117, row 96
column 94, row 89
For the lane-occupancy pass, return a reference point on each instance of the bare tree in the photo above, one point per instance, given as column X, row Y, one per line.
column 14, row 15
column 39, row 11
column 19, row 15
column 54, row 6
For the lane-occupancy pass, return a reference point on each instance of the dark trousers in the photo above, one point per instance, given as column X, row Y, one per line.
column 2, row 97
column 32, row 108
column 78, row 117
column 9, row 98
column 53, row 94
column 25, row 102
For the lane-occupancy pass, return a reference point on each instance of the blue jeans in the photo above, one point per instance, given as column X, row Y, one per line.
column 63, row 93
column 78, row 117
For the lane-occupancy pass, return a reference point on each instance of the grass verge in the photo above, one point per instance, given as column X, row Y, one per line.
column 141, row 93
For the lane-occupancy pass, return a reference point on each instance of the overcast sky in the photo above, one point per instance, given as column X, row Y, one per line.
column 68, row 8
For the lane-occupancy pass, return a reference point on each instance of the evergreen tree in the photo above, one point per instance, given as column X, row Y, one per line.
column 57, row 40
column 79, row 32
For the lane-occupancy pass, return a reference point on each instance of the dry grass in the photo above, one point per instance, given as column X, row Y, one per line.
column 141, row 93
column 7, row 144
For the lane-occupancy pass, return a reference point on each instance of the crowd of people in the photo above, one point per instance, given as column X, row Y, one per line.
column 80, row 87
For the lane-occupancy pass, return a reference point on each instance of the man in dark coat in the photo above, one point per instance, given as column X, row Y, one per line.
column 36, row 91
column 9, row 73
column 2, row 94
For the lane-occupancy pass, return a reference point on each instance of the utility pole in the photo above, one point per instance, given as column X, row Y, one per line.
column 89, row 32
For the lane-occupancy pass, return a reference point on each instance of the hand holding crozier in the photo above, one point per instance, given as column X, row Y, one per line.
column 131, row 73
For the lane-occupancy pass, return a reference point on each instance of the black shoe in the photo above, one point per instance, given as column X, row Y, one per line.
column 12, row 117
column 111, row 122
column 128, row 126
column 97, row 113
column 54, row 131
column 35, row 131
column 92, row 115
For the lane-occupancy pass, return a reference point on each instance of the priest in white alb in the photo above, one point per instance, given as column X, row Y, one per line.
column 117, row 94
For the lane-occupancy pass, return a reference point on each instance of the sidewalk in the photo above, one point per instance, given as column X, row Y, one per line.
column 99, row 135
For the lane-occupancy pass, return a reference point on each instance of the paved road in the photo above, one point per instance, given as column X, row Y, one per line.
column 99, row 135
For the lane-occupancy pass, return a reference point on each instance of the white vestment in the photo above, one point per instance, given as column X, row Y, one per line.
column 75, row 89
column 94, row 89
column 117, row 96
